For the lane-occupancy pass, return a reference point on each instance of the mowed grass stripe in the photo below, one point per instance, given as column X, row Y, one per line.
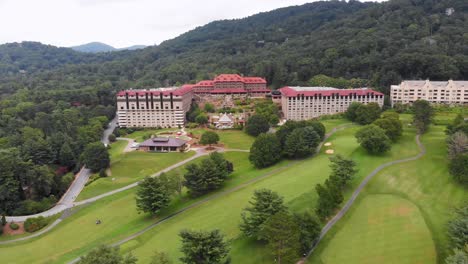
column 382, row 229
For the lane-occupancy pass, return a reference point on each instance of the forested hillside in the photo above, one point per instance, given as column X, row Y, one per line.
column 56, row 100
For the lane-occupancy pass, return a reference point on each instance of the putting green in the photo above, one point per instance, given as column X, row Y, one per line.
column 382, row 229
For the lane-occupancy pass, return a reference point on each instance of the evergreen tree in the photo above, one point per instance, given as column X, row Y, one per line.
column 309, row 230
column 160, row 258
column 203, row 247
column 422, row 117
column 107, row 255
column 367, row 113
column 263, row 205
column 343, row 170
column 282, row 233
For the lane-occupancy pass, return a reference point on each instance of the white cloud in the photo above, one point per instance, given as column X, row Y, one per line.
column 118, row 22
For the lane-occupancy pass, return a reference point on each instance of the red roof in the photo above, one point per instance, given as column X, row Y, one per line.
column 254, row 80
column 228, row 78
column 227, row 91
column 177, row 92
column 290, row 92
column 205, row 83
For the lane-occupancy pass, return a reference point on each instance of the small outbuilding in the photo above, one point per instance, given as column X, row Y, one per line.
column 163, row 144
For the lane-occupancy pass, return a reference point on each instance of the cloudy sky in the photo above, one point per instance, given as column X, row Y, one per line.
column 119, row 23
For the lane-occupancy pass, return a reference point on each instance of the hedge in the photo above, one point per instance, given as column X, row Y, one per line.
column 34, row 224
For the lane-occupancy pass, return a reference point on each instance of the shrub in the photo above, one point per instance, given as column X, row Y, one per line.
column 102, row 173
column 34, row 224
column 373, row 139
column 112, row 138
column 14, row 226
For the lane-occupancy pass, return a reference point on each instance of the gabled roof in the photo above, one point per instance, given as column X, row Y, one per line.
column 324, row 91
column 225, row 118
column 163, row 142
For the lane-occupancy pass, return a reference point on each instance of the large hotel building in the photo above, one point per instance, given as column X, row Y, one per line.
column 162, row 107
column 232, row 84
column 448, row 92
column 166, row 107
column 303, row 103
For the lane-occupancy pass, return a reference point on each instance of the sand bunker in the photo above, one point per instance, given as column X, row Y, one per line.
column 329, row 151
column 327, row 144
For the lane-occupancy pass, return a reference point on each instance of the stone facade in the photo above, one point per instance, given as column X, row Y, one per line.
column 303, row 103
column 448, row 92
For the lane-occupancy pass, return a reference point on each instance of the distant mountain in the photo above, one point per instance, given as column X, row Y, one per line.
column 96, row 47
column 134, row 47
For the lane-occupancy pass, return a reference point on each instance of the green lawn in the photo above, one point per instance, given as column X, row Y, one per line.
column 235, row 139
column 79, row 234
column 424, row 184
column 131, row 167
column 296, row 184
column 382, row 229
column 117, row 149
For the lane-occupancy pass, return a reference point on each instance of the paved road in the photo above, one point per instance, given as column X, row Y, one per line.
column 73, row 191
column 62, row 206
column 221, row 194
column 350, row 202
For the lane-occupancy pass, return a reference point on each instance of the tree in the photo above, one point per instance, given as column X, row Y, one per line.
column 95, row 156
column 209, row 175
column 153, row 194
column 422, row 117
column 201, row 119
column 263, row 205
column 209, row 137
column 265, row 151
column 367, row 113
column 329, row 197
column 393, row 127
column 66, row 156
column 296, row 145
column 10, row 187
column 112, row 138
column 176, row 183
column 282, row 234
column 107, row 255
column 201, row 247
column 351, row 112
column 209, row 108
column 343, row 170
column 460, row 256
column 309, row 230
column 4, row 221
column 256, row 125
column 457, row 144
column 318, row 127
column 458, row 228
column 458, row 124
column 160, row 258
column 459, row 168
column 373, row 139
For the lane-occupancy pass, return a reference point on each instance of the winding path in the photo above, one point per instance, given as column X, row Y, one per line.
column 350, row 202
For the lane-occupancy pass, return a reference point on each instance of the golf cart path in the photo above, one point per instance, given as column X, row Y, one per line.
column 199, row 153
column 350, row 202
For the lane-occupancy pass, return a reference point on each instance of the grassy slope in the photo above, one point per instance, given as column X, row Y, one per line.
column 130, row 167
column 296, row 184
column 235, row 139
column 117, row 149
column 426, row 184
column 79, row 233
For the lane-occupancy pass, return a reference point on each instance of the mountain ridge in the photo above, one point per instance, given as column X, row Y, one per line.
column 98, row 47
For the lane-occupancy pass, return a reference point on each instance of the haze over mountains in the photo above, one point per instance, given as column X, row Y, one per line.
column 382, row 43
column 96, row 47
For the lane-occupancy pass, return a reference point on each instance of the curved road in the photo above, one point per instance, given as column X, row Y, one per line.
column 350, row 202
column 75, row 188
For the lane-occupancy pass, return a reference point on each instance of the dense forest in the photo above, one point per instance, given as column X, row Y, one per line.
column 56, row 100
